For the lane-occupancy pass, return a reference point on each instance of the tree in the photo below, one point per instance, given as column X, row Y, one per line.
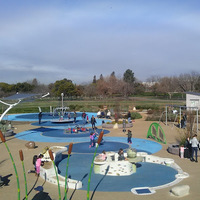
column 197, row 85
column 139, row 88
column 129, row 80
column 187, row 82
column 90, row 90
column 6, row 88
column 101, row 77
column 94, row 79
column 35, row 82
column 102, row 87
column 112, row 74
column 64, row 86
column 24, row 87
column 129, row 76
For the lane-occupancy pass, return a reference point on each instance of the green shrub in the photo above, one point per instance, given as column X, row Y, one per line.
column 136, row 115
column 113, row 122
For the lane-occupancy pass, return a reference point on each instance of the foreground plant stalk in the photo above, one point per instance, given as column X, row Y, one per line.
column 16, row 174
column 92, row 164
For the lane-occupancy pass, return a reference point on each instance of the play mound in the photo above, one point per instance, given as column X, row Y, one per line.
column 148, row 175
column 50, row 132
column 83, row 147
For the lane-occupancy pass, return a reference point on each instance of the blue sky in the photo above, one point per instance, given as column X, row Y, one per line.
column 77, row 39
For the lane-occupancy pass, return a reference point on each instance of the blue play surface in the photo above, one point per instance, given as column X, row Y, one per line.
column 47, row 118
column 83, row 147
column 50, row 132
column 147, row 175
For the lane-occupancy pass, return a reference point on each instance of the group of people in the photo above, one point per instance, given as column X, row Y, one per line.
column 104, row 114
column 93, row 138
column 192, row 145
column 40, row 194
column 184, row 120
column 121, row 156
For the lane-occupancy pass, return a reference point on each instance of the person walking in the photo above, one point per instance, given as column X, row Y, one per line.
column 84, row 117
column 93, row 122
column 129, row 134
column 75, row 116
column 194, row 143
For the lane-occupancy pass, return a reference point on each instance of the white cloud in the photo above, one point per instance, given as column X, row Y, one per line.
column 77, row 40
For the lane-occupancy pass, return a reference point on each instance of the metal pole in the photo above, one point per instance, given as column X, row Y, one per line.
column 180, row 117
column 197, row 120
column 166, row 115
column 62, row 102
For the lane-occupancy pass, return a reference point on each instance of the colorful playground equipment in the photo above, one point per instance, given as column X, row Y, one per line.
column 48, row 173
column 156, row 132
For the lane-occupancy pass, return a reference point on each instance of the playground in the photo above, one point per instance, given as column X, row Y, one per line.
column 110, row 187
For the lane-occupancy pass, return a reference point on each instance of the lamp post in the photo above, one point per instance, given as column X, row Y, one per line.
column 62, row 103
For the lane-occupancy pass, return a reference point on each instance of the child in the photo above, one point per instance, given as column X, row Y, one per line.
column 129, row 136
column 35, row 157
column 182, row 151
column 91, row 140
column 103, row 155
column 38, row 164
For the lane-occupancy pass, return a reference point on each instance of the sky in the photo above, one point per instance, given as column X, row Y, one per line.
column 76, row 39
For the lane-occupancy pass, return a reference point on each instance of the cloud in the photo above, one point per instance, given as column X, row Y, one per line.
column 76, row 40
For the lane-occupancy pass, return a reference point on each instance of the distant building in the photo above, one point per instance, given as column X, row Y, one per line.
column 149, row 84
column 193, row 99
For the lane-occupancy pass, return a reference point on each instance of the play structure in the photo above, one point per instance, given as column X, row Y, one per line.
column 61, row 112
column 47, row 171
column 111, row 166
column 178, row 115
column 156, row 132
column 126, row 169
column 6, row 127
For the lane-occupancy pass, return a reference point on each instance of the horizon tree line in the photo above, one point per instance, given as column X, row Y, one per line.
column 109, row 86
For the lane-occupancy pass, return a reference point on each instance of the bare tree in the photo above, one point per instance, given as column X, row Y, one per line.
column 187, row 82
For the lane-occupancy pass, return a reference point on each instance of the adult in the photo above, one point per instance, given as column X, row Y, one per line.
column 129, row 117
column 194, row 143
column 108, row 116
column 183, row 120
column 99, row 114
column 75, row 116
column 40, row 194
column 84, row 117
column 40, row 117
column 188, row 149
column 93, row 121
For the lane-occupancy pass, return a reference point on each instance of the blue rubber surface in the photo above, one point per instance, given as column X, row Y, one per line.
column 46, row 119
column 83, row 147
column 48, row 132
column 147, row 175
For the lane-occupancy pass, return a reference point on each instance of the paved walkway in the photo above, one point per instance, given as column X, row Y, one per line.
column 139, row 130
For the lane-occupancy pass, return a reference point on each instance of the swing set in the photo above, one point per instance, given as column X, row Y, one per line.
column 175, row 113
